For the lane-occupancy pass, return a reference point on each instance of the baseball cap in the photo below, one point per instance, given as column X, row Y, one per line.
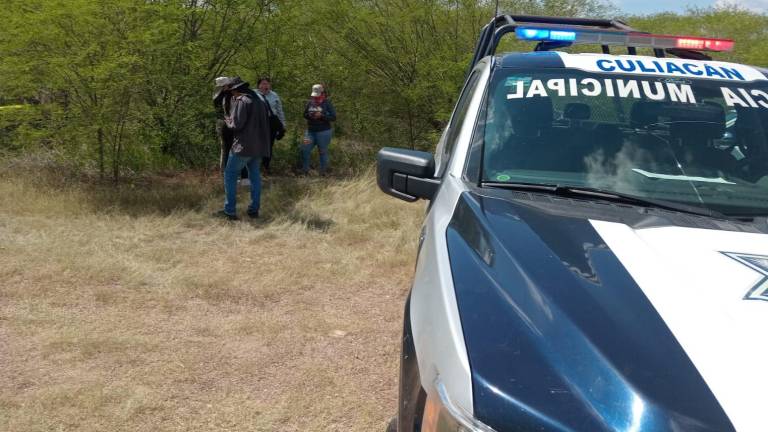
column 317, row 90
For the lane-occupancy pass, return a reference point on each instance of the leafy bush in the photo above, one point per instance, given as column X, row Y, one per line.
column 124, row 86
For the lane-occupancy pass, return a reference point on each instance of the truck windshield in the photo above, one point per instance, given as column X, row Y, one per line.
column 695, row 141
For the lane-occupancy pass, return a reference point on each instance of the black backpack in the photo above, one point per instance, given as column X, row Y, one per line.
column 276, row 127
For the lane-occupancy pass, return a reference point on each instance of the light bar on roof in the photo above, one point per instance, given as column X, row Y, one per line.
column 632, row 39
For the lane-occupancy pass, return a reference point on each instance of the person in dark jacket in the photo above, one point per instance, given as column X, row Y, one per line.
column 251, row 137
column 277, row 120
column 319, row 113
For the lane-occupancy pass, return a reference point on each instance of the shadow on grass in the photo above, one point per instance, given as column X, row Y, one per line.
column 280, row 196
column 205, row 194
column 186, row 191
column 312, row 222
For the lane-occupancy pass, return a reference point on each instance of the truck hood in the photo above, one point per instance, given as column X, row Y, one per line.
column 575, row 323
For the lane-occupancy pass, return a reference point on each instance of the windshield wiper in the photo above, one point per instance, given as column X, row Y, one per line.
column 606, row 195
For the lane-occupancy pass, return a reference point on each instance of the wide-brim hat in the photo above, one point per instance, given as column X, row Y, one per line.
column 223, row 84
column 237, row 82
column 220, row 84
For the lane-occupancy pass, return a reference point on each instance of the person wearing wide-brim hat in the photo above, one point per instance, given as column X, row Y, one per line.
column 247, row 118
column 222, row 101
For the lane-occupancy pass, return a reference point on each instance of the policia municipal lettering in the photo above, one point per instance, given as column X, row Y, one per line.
column 525, row 87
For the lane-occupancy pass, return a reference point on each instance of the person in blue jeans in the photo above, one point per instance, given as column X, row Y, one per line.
column 319, row 113
column 249, row 123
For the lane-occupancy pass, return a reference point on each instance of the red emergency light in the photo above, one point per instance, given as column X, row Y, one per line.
column 705, row 44
column 632, row 39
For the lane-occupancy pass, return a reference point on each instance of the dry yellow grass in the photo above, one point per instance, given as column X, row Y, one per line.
column 132, row 309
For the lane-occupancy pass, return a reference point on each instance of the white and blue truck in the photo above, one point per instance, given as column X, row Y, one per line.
column 594, row 255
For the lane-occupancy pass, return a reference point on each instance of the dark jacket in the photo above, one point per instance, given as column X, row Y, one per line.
column 328, row 114
column 276, row 126
column 250, row 125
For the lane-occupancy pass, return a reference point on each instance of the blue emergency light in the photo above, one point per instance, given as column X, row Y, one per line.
column 545, row 34
column 634, row 39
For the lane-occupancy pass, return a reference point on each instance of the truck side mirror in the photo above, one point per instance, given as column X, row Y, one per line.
column 406, row 174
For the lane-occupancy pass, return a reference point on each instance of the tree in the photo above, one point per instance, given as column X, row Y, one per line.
column 125, row 85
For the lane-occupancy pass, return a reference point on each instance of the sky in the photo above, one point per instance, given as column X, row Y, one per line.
column 653, row 6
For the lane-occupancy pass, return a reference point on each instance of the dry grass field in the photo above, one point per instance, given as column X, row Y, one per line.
column 131, row 309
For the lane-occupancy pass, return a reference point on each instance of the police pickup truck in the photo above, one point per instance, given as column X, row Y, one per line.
column 595, row 252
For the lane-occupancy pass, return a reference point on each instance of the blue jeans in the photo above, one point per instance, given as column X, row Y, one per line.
column 235, row 164
column 320, row 139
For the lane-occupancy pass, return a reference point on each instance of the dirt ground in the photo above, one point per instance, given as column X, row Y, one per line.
column 132, row 309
